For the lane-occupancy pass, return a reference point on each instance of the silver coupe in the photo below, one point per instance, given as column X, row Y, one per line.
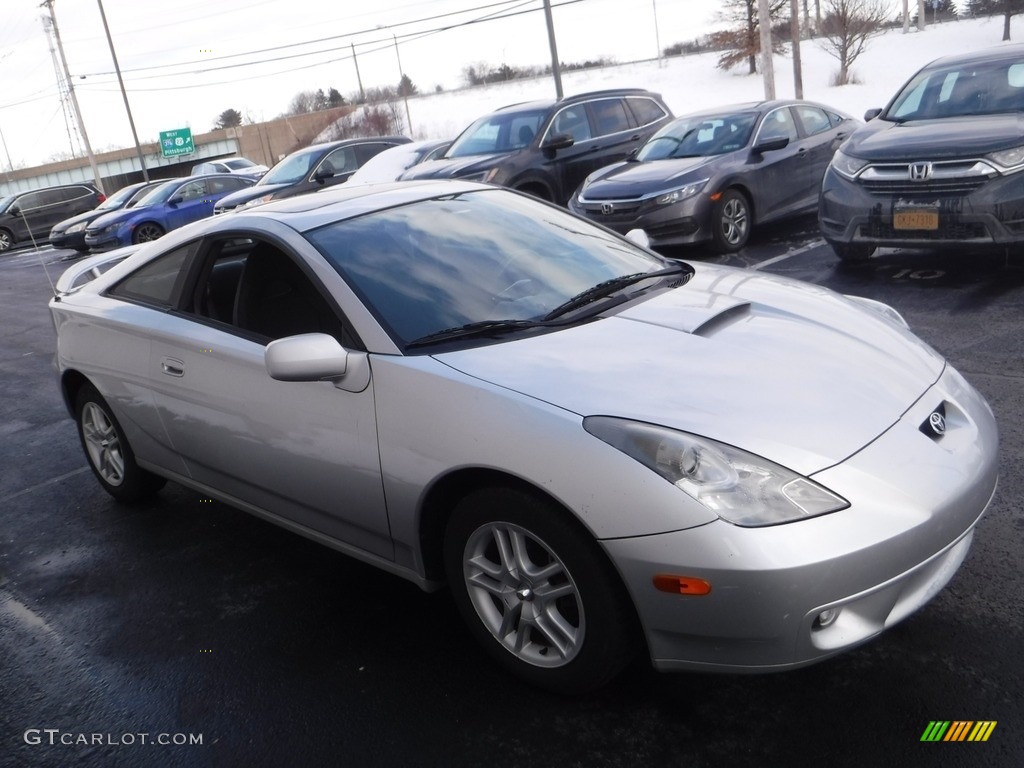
column 599, row 451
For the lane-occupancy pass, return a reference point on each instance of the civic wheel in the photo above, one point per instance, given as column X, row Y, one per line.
column 852, row 253
column 110, row 457
column 731, row 221
column 147, row 231
column 537, row 592
column 6, row 241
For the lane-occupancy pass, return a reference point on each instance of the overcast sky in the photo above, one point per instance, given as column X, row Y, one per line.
column 182, row 64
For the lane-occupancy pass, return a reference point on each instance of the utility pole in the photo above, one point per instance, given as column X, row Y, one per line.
column 921, row 21
column 764, row 24
column 359, row 78
column 124, row 95
column 555, row 70
column 794, row 36
column 401, row 85
column 48, row 4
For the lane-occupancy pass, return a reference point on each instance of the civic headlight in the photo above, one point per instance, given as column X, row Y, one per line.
column 681, row 193
column 739, row 487
column 75, row 228
column 1009, row 159
column 847, row 166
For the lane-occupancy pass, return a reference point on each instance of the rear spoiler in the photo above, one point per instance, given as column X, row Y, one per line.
column 90, row 268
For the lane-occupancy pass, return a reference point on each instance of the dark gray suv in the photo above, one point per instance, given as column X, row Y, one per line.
column 547, row 148
column 942, row 165
column 30, row 215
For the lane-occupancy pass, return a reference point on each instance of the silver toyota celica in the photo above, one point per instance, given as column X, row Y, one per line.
column 598, row 450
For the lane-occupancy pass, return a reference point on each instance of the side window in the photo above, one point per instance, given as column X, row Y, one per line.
column 645, row 110
column 341, row 160
column 158, row 282
column 364, row 152
column 813, row 119
column 255, row 286
column 573, row 121
column 31, row 201
column 191, row 191
column 778, row 125
column 609, row 116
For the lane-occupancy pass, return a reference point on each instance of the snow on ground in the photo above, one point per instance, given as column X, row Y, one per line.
column 691, row 83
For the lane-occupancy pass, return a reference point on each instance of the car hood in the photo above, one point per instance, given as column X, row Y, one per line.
column 792, row 372
column 951, row 137
column 86, row 217
column 249, row 193
column 449, row 168
column 115, row 217
column 630, row 180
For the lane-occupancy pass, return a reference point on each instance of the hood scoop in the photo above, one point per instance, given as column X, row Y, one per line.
column 700, row 318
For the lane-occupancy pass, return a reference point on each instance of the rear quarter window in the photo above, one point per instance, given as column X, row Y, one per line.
column 645, row 110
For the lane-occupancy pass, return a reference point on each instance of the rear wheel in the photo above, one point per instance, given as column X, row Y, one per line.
column 852, row 253
column 147, row 231
column 110, row 457
column 731, row 221
column 537, row 592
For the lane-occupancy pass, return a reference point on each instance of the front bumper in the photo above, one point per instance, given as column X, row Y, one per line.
column 683, row 223
column 990, row 215
column 915, row 500
column 105, row 241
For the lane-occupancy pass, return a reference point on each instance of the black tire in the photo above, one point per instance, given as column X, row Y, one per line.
column 852, row 253
column 147, row 231
column 6, row 240
column 557, row 615
column 110, row 457
column 731, row 219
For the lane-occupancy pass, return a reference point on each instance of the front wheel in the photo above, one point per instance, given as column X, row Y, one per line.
column 110, row 457
column 731, row 221
column 537, row 592
column 6, row 240
column 147, row 231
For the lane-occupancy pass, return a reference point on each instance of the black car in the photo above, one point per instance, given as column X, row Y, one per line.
column 70, row 233
column 712, row 175
column 546, row 148
column 310, row 169
column 29, row 216
column 940, row 166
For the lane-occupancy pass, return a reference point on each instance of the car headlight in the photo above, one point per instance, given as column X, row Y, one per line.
column 1009, row 159
column 676, row 195
column 483, row 176
column 259, row 200
column 739, row 487
column 73, row 229
column 847, row 166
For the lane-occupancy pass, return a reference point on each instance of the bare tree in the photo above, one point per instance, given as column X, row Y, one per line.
column 846, row 28
column 742, row 42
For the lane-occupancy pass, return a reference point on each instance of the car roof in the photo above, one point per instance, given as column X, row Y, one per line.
column 305, row 212
column 997, row 53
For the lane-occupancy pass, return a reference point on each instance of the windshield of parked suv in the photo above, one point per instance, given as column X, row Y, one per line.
column 486, row 257
column 978, row 88
column 290, row 170
column 701, row 136
column 500, row 132
column 5, row 203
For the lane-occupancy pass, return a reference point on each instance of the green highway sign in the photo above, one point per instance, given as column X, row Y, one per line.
column 177, row 142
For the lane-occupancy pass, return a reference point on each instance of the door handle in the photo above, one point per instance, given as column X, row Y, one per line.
column 172, row 366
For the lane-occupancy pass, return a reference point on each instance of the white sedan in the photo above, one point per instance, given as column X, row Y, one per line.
column 598, row 450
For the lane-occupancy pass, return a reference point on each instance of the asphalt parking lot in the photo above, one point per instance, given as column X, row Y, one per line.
column 129, row 634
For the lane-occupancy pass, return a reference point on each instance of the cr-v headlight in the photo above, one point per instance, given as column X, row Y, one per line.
column 1009, row 159
column 739, row 487
column 847, row 166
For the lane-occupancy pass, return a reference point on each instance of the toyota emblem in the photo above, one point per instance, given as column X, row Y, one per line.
column 937, row 422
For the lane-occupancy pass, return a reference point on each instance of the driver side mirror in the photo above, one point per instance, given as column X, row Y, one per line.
column 557, row 142
column 871, row 114
column 772, row 145
column 323, row 173
column 176, row 199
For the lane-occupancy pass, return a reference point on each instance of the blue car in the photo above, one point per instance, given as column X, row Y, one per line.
column 171, row 205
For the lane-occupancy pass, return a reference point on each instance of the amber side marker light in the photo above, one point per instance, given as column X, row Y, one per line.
column 681, row 585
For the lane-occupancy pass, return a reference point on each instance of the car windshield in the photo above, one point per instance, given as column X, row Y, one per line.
column 699, row 136
column 157, row 195
column 978, row 88
column 239, row 163
column 118, row 199
column 500, row 132
column 5, row 202
column 484, row 258
column 290, row 170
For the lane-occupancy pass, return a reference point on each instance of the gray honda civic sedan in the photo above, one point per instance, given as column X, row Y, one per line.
column 599, row 451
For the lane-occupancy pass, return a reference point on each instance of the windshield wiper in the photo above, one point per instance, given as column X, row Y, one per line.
column 609, row 287
column 479, row 328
